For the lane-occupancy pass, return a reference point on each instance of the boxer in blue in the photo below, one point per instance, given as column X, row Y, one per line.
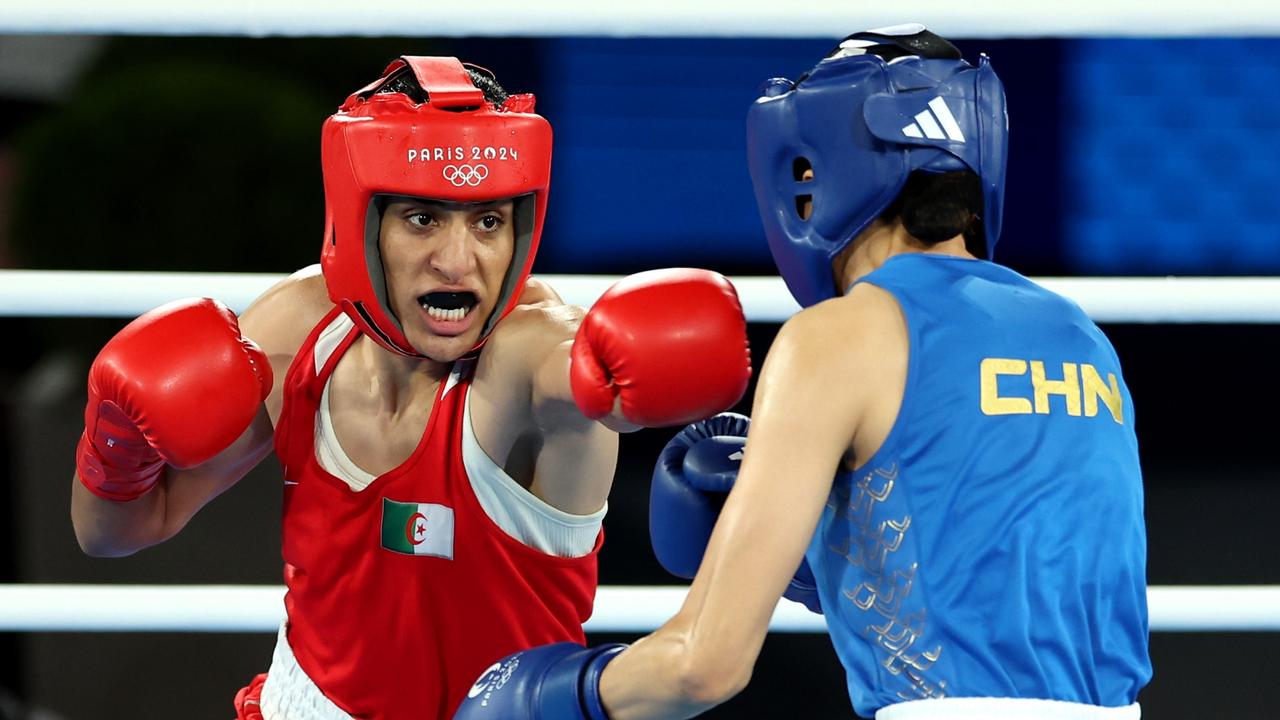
column 944, row 448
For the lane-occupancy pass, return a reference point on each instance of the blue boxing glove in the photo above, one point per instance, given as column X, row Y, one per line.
column 803, row 588
column 551, row 682
column 691, row 481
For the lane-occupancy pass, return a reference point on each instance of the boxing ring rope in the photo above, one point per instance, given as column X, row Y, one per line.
column 620, row 609
column 626, row 609
column 654, row 18
column 57, row 293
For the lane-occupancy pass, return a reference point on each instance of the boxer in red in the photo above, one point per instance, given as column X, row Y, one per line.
column 447, row 426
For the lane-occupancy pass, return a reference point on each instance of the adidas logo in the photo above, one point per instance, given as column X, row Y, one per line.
column 937, row 125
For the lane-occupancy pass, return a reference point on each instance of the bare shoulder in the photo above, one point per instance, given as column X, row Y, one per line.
column 541, row 313
column 843, row 361
column 538, row 324
column 861, row 328
column 282, row 317
column 525, row 364
column 536, row 290
column 522, row 409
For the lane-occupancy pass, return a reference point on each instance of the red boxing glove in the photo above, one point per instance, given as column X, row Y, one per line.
column 178, row 385
column 671, row 344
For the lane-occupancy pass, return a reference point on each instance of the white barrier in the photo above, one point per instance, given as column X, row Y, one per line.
column 619, row 609
column 653, row 18
column 58, row 293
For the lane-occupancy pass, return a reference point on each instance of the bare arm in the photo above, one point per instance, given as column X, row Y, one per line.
column 277, row 322
column 564, row 460
column 639, row 357
column 105, row 528
column 799, row 432
column 552, row 394
column 522, row 400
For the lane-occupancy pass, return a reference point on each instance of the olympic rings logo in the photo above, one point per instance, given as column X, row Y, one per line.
column 494, row 678
column 461, row 175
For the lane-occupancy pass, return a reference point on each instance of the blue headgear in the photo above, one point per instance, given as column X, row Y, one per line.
column 864, row 119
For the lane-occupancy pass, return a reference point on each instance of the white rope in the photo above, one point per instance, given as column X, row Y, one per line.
column 48, row 293
column 622, row 609
column 656, row 18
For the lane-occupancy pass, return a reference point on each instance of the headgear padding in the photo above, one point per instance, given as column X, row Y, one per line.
column 454, row 147
column 864, row 119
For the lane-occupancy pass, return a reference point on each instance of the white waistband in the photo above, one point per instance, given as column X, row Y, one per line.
column 1004, row 709
column 289, row 694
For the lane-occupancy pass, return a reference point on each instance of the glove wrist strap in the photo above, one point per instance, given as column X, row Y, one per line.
column 592, row 704
column 112, row 483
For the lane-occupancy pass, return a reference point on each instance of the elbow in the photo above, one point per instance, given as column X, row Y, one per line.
column 707, row 683
column 106, row 529
column 90, row 543
column 104, row 541
column 98, row 546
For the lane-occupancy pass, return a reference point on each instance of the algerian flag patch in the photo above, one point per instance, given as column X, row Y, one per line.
column 417, row 528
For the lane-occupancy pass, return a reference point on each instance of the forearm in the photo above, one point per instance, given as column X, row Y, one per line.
column 107, row 528
column 149, row 411
column 659, row 677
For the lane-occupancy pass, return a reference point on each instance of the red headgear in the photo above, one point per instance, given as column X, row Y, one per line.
column 453, row 147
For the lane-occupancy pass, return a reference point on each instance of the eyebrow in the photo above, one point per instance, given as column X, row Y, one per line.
column 451, row 205
column 486, row 205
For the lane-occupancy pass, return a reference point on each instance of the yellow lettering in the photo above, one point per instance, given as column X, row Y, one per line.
column 1068, row 387
column 992, row 403
column 1095, row 389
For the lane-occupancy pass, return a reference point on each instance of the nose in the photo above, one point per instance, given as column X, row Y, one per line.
column 452, row 257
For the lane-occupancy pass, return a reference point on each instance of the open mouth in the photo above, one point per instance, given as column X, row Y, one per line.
column 448, row 306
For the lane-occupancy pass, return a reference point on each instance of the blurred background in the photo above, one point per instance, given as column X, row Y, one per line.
column 1128, row 157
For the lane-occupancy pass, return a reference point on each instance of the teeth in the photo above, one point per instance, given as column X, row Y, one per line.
column 446, row 315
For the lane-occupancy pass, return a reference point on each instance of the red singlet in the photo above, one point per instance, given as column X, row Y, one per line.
column 401, row 594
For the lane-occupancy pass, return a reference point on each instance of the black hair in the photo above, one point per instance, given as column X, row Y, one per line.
column 935, row 207
column 890, row 46
column 405, row 83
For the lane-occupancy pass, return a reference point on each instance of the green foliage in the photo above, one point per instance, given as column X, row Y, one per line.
column 192, row 165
